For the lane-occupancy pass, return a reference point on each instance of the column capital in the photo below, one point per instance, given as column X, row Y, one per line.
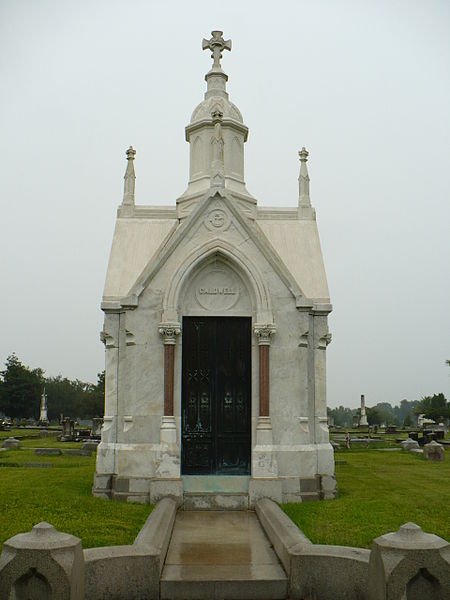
column 264, row 332
column 169, row 332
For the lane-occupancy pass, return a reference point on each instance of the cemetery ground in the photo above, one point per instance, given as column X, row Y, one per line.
column 60, row 494
column 379, row 490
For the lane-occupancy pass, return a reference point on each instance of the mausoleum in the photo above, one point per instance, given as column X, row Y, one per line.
column 215, row 334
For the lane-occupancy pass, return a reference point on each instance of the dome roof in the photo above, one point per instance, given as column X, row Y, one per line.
column 209, row 105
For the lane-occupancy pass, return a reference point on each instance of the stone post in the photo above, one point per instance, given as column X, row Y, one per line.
column 44, row 564
column 409, row 564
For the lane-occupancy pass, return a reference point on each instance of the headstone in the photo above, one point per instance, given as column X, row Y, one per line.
column 77, row 452
column 409, row 444
column 363, row 418
column 42, row 564
column 47, row 451
column 43, row 418
column 11, row 442
column 434, row 451
column 428, row 436
column 409, row 564
column 90, row 446
column 68, row 432
column 96, row 430
column 413, row 435
column 355, row 423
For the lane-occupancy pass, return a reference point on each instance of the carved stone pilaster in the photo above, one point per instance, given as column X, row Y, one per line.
column 169, row 332
column 264, row 332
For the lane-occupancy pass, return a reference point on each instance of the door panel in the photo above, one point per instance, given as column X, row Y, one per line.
column 216, row 395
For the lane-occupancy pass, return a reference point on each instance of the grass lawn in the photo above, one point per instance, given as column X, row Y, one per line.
column 378, row 492
column 61, row 495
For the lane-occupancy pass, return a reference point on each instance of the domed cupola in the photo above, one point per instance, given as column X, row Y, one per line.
column 216, row 134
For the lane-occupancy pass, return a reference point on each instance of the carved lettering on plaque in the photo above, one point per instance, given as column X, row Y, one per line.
column 217, row 290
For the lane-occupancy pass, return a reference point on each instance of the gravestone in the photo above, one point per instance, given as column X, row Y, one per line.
column 90, row 446
column 363, row 417
column 11, row 442
column 68, row 430
column 215, row 331
column 43, row 417
column 409, row 444
column 434, row 451
column 97, row 425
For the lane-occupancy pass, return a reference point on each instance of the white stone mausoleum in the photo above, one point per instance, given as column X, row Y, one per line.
column 215, row 334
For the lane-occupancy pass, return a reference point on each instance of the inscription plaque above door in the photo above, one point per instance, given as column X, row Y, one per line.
column 216, row 289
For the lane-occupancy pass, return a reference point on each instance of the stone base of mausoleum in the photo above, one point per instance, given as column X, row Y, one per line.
column 209, row 493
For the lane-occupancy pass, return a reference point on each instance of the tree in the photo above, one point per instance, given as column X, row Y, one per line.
column 434, row 407
column 20, row 389
column 373, row 416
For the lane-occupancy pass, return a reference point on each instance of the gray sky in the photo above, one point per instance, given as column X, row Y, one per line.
column 363, row 84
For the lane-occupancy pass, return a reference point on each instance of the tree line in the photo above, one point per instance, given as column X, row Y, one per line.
column 21, row 389
column 434, row 407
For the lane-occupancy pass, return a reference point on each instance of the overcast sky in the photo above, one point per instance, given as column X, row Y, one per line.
column 364, row 85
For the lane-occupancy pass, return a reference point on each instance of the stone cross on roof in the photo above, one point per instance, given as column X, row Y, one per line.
column 217, row 45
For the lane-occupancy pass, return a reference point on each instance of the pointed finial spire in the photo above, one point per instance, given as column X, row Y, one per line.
column 130, row 178
column 304, row 200
column 303, row 179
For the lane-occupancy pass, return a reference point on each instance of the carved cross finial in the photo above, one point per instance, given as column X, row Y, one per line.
column 217, row 45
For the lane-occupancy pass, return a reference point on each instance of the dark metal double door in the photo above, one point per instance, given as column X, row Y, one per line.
column 216, row 395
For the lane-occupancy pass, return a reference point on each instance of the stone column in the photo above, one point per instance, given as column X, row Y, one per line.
column 264, row 333
column 264, row 464
column 169, row 332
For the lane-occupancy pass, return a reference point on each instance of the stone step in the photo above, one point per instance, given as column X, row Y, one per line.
column 216, row 483
column 215, row 501
column 211, row 582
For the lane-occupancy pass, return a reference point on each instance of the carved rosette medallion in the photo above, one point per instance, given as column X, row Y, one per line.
column 169, row 332
column 264, row 332
column 217, row 220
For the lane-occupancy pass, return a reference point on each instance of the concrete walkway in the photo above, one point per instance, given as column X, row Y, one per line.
column 221, row 555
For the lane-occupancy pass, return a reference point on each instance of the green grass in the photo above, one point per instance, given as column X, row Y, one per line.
column 61, row 495
column 378, row 492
